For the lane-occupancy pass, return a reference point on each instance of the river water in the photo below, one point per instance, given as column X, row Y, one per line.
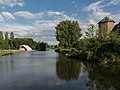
column 47, row 70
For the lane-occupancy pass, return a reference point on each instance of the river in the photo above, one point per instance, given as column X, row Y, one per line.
column 47, row 70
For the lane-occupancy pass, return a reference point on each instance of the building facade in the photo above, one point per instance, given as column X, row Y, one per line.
column 105, row 26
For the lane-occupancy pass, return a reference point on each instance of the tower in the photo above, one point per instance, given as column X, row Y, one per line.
column 105, row 26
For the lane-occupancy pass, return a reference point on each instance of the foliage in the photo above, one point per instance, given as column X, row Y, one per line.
column 93, row 47
column 68, row 33
column 65, row 50
column 11, row 36
column 104, row 50
column 8, row 52
column 6, row 42
column 41, row 46
column 1, row 39
column 14, row 43
column 24, row 41
column 11, row 41
column 91, row 31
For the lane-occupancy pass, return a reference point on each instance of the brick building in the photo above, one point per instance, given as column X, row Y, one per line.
column 106, row 25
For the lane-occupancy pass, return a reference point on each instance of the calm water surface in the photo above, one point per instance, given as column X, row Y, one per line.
column 51, row 71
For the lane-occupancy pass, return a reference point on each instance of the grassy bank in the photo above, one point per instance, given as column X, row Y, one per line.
column 6, row 52
column 65, row 50
column 101, row 55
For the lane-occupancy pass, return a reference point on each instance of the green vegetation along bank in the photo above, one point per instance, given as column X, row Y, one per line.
column 6, row 52
column 92, row 46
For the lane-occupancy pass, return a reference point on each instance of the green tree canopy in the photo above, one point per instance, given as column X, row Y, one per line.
column 24, row 41
column 14, row 43
column 1, row 39
column 92, row 32
column 12, row 40
column 11, row 36
column 6, row 41
column 68, row 33
column 41, row 46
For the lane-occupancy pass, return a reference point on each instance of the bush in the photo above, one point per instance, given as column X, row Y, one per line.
column 100, row 50
column 65, row 50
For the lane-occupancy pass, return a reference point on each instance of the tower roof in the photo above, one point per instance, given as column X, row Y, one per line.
column 106, row 19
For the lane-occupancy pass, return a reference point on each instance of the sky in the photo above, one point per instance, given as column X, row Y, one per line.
column 37, row 19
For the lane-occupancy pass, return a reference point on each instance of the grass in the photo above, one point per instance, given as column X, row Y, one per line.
column 65, row 50
column 6, row 52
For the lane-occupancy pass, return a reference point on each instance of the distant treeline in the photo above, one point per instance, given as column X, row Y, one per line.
column 14, row 43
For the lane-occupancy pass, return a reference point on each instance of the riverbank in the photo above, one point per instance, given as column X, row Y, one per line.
column 87, row 55
column 7, row 52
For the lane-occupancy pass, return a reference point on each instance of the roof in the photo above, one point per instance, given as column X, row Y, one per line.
column 106, row 19
column 117, row 28
column 26, row 47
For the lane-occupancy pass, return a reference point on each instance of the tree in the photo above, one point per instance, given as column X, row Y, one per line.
column 12, row 40
column 6, row 41
column 11, row 36
column 1, row 39
column 91, row 31
column 41, row 46
column 24, row 41
column 68, row 33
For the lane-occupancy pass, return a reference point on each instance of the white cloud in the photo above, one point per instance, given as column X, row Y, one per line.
column 96, row 11
column 18, row 29
column 95, row 17
column 113, row 2
column 94, row 7
column 1, row 18
column 55, row 18
column 21, row 4
column 46, row 24
column 24, row 14
column 116, row 17
column 8, row 15
column 1, row 1
column 59, row 15
column 41, row 26
column 66, row 17
column 74, row 14
column 31, row 31
column 52, row 13
column 28, row 15
column 12, row 3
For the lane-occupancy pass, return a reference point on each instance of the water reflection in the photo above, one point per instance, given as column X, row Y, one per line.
column 103, row 77
column 67, row 69
column 6, row 65
column 50, row 71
